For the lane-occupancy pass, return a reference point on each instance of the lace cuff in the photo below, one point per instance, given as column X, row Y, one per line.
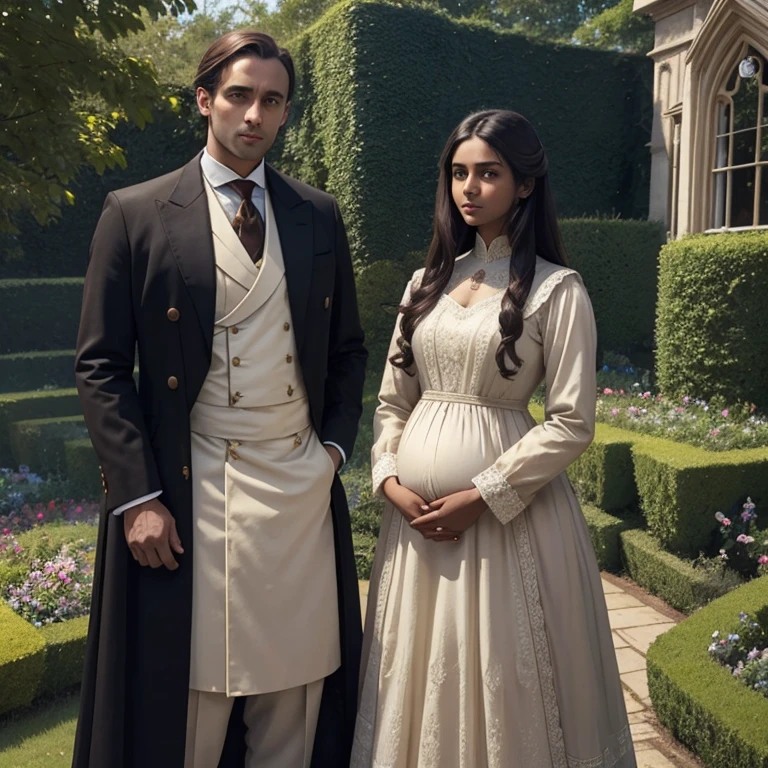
column 498, row 494
column 385, row 467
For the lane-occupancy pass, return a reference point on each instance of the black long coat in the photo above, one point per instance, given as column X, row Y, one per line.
column 153, row 251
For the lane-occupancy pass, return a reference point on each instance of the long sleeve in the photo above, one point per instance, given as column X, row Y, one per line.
column 398, row 395
column 569, row 342
column 104, row 361
column 346, row 354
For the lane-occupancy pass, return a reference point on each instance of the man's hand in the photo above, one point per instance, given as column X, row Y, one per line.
column 453, row 514
column 150, row 531
column 333, row 452
column 411, row 506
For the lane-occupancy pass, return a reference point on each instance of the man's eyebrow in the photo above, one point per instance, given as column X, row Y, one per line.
column 248, row 89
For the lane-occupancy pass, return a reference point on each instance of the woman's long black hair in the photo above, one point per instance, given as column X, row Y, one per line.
column 532, row 231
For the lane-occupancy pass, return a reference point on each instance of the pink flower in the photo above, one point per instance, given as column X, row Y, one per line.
column 724, row 413
column 6, row 531
column 51, row 506
column 62, row 576
column 646, row 395
column 763, row 559
column 715, row 432
column 78, row 510
column 686, row 400
column 615, row 412
column 725, row 521
column 621, row 391
column 40, row 515
column 607, row 391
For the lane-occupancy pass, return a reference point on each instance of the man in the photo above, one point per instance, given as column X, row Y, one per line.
column 225, row 611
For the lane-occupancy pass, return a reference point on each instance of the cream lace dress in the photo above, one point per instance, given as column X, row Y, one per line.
column 494, row 651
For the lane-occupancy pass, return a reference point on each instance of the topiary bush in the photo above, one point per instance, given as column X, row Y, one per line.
column 22, row 660
column 605, row 531
column 720, row 719
column 672, row 579
column 681, row 487
column 712, row 329
column 64, row 655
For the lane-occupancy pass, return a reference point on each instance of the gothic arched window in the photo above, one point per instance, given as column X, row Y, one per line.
column 741, row 154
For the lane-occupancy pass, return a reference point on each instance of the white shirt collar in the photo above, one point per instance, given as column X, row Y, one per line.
column 218, row 175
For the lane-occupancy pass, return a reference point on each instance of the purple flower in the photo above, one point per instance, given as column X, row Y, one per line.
column 724, row 413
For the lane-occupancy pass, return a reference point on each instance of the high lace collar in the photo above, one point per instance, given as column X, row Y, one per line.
column 499, row 249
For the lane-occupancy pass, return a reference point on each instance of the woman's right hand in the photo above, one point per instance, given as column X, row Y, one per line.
column 411, row 506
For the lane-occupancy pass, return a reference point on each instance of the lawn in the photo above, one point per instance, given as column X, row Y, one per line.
column 42, row 737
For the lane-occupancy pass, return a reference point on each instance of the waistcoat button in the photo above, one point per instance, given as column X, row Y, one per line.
column 172, row 314
column 173, row 382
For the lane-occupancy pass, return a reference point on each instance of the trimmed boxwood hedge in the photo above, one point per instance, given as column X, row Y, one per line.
column 712, row 328
column 64, row 655
column 674, row 580
column 681, row 487
column 720, row 719
column 25, row 371
column 22, row 660
column 19, row 406
column 605, row 531
column 40, row 314
column 39, row 443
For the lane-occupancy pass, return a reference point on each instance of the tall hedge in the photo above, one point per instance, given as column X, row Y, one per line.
column 712, row 327
column 380, row 87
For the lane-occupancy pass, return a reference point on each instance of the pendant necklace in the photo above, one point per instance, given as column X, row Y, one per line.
column 476, row 280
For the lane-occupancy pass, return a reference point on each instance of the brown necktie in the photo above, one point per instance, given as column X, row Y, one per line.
column 248, row 222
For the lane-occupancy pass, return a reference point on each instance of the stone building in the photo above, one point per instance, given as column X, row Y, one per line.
column 709, row 145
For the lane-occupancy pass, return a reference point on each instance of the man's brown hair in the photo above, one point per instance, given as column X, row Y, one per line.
column 236, row 45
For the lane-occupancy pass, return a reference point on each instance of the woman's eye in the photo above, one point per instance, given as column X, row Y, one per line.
column 490, row 174
column 459, row 174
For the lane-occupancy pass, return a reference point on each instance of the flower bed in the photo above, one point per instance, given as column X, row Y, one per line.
column 722, row 721
column 745, row 650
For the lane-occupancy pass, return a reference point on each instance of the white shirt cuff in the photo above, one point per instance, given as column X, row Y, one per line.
column 339, row 449
column 136, row 502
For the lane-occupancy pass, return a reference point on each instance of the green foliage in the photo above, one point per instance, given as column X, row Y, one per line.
column 173, row 139
column 82, row 469
column 618, row 28
column 64, row 655
column 24, row 371
column 356, row 134
column 676, row 581
column 549, row 19
column 682, row 487
column 22, row 660
column 39, row 314
column 66, row 85
column 39, row 443
column 711, row 328
column 699, row 701
column 27, row 405
column 603, row 474
column 605, row 530
column 618, row 261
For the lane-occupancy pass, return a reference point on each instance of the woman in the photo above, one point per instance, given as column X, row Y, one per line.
column 487, row 637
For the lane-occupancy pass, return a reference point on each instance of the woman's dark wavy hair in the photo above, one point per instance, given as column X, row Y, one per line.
column 532, row 231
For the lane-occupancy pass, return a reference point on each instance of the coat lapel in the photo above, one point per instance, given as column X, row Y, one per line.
column 293, row 216
column 187, row 223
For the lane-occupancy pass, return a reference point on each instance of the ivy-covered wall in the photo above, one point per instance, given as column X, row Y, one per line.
column 380, row 87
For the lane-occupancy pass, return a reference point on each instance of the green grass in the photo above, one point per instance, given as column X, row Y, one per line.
column 40, row 738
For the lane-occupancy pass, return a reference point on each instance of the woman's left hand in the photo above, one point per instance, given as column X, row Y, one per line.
column 447, row 518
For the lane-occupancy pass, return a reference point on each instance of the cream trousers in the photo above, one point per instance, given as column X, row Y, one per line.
column 280, row 727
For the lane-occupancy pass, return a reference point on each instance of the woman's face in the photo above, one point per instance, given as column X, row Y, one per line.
column 483, row 187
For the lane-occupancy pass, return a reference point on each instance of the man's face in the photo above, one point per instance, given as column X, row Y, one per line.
column 250, row 106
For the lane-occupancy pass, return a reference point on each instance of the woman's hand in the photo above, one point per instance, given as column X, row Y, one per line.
column 411, row 506
column 449, row 517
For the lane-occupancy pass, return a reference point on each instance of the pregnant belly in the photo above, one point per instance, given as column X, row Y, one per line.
column 445, row 445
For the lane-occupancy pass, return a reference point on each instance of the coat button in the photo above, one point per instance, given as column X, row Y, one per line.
column 290, row 390
column 185, row 472
column 289, row 358
column 237, row 396
column 235, row 329
column 173, row 382
column 326, row 302
column 235, row 361
column 286, row 326
column 172, row 314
